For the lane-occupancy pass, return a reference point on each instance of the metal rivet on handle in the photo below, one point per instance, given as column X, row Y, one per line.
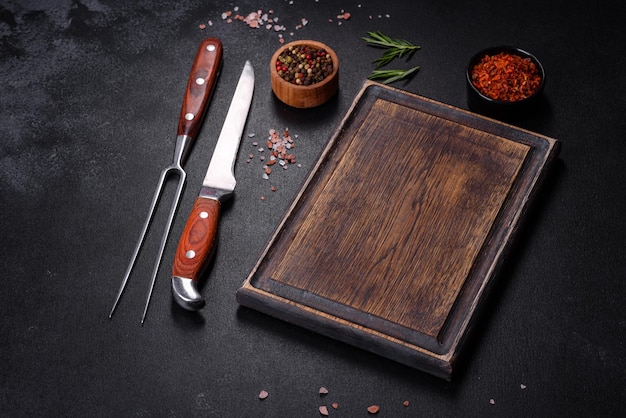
column 210, row 48
column 189, row 116
column 190, row 254
column 199, row 81
column 204, row 215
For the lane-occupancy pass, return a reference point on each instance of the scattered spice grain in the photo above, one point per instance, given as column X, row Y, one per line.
column 263, row 394
column 323, row 410
column 405, row 403
column 335, row 405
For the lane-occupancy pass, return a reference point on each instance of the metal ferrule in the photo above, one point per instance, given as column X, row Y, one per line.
column 213, row 193
column 183, row 145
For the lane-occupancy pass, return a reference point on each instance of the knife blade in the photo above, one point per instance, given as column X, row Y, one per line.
column 199, row 236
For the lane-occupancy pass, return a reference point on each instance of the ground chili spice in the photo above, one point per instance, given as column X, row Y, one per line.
column 506, row 77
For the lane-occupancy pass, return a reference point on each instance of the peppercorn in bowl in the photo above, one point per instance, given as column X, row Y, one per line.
column 504, row 82
column 304, row 73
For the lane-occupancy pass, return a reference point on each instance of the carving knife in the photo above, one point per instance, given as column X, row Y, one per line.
column 199, row 236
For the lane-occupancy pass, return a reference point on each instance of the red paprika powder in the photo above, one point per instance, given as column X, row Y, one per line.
column 506, row 77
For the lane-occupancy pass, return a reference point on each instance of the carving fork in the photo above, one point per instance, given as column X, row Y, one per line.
column 204, row 73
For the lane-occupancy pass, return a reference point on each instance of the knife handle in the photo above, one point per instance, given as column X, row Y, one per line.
column 194, row 252
column 204, row 72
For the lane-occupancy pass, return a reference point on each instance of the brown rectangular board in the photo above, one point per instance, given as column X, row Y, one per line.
column 395, row 237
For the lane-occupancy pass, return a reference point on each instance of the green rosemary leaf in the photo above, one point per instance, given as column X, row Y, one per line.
column 385, row 59
column 390, row 76
column 378, row 39
column 395, row 48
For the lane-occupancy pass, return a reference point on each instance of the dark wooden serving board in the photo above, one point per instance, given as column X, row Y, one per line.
column 397, row 233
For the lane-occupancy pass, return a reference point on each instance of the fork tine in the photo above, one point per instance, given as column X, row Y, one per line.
column 170, row 218
column 142, row 237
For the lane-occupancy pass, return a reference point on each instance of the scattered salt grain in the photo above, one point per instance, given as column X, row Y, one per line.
column 492, row 401
column 323, row 410
column 344, row 15
column 263, row 394
column 522, row 386
column 335, row 405
column 323, row 391
column 373, row 409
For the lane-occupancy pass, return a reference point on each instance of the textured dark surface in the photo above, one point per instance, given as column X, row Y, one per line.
column 89, row 99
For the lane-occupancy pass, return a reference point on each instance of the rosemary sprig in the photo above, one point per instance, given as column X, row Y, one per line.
column 395, row 48
column 389, row 76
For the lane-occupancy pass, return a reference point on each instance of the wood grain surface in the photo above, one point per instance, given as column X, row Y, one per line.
column 198, row 239
column 397, row 227
column 400, row 227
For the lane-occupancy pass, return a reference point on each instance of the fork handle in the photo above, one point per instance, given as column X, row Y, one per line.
column 204, row 72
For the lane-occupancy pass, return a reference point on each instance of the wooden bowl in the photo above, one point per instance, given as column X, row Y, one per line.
column 305, row 96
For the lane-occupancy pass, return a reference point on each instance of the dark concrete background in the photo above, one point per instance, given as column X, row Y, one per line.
column 89, row 102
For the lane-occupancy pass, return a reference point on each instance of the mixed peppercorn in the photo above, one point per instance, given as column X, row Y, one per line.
column 304, row 65
column 506, row 77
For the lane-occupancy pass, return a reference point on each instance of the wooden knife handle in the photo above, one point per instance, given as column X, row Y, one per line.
column 202, row 78
column 198, row 240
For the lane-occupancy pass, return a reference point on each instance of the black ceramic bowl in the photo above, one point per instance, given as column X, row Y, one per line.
column 480, row 102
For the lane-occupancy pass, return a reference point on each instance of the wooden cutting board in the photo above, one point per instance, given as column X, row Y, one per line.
column 396, row 235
